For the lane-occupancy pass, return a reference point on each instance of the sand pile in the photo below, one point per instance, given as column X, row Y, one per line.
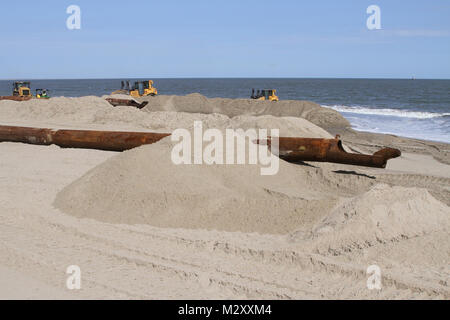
column 143, row 186
column 77, row 110
column 380, row 216
column 196, row 103
column 96, row 113
column 288, row 126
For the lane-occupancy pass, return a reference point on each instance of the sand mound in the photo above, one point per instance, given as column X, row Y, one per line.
column 288, row 126
column 382, row 215
column 143, row 186
column 96, row 113
column 78, row 110
column 196, row 103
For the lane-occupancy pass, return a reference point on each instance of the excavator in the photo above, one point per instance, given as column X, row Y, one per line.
column 265, row 94
column 139, row 89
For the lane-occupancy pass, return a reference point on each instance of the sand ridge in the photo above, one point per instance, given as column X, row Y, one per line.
column 96, row 113
column 144, row 186
column 196, row 103
column 381, row 215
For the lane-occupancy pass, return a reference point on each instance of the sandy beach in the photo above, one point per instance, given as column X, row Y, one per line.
column 140, row 227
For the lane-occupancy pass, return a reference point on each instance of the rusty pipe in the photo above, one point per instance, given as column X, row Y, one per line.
column 87, row 139
column 290, row 149
column 329, row 150
column 126, row 102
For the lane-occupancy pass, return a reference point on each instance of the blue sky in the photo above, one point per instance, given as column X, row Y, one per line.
column 209, row 38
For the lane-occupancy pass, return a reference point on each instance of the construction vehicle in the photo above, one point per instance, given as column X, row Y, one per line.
column 22, row 89
column 143, row 89
column 42, row 94
column 139, row 89
column 21, row 92
column 265, row 94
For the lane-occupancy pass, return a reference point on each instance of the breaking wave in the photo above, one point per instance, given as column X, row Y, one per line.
column 388, row 112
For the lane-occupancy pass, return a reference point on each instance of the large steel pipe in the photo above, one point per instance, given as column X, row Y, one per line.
column 126, row 102
column 330, row 150
column 87, row 139
column 290, row 149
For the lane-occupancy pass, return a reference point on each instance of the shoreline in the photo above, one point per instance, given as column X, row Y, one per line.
column 438, row 150
column 402, row 136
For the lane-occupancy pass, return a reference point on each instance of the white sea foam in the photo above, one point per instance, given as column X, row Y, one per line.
column 420, row 125
column 388, row 112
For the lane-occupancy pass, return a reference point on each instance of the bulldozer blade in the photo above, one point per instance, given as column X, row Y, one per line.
column 329, row 150
column 126, row 102
column 86, row 139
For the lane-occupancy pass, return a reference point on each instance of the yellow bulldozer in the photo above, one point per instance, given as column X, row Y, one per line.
column 22, row 89
column 265, row 94
column 21, row 92
column 139, row 89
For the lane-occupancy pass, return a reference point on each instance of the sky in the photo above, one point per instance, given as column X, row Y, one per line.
column 211, row 38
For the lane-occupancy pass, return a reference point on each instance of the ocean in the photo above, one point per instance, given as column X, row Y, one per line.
column 410, row 108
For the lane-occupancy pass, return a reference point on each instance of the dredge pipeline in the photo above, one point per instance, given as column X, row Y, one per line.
column 126, row 102
column 329, row 150
column 86, row 139
column 290, row 149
